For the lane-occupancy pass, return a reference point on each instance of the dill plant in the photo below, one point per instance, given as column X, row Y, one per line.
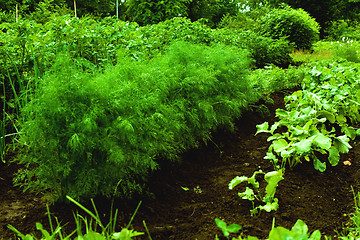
column 88, row 133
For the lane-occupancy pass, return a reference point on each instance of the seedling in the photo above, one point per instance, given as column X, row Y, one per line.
column 232, row 228
column 298, row 232
column 272, row 179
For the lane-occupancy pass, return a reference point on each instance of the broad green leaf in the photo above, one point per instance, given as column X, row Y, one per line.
column 233, row 228
column 221, row 224
column 262, row 128
column 315, row 73
column 45, row 233
column 341, row 119
column 349, row 131
column 287, row 152
column 322, row 141
column 272, row 178
column 334, row 156
column 271, row 156
column 308, row 125
column 274, row 137
column 281, row 113
column 308, row 111
column 185, row 188
column 299, row 227
column 316, row 235
column 358, row 132
column 280, row 233
column 342, row 144
column 303, row 146
column 318, row 165
column 279, row 145
column 298, row 130
column 321, row 120
column 251, row 238
column 328, row 115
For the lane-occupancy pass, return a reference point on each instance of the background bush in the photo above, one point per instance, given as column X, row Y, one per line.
column 154, row 11
column 296, row 25
column 342, row 28
column 27, row 47
column 85, row 132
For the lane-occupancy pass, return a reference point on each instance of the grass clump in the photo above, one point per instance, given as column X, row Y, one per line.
column 86, row 133
column 82, row 223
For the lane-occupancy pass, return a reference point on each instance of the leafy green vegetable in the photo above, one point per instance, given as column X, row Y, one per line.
column 272, row 179
column 312, row 115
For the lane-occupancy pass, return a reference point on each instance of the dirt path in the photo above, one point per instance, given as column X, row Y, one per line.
column 322, row 200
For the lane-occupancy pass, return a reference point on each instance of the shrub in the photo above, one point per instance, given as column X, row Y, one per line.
column 85, row 133
column 341, row 28
column 294, row 24
column 155, row 11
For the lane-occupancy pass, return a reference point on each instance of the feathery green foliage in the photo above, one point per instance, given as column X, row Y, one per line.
column 85, row 132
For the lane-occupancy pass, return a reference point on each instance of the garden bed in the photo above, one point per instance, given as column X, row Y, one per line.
column 187, row 198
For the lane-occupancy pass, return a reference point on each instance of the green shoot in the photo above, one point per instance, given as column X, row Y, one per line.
column 232, row 228
column 272, row 179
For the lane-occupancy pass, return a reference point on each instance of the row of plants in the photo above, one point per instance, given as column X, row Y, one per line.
column 86, row 133
column 319, row 119
column 318, row 122
column 27, row 43
column 122, row 97
column 329, row 88
column 28, row 50
column 298, row 232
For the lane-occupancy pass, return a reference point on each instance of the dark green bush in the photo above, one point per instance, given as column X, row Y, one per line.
column 294, row 24
column 85, row 133
column 28, row 43
column 264, row 50
column 154, row 11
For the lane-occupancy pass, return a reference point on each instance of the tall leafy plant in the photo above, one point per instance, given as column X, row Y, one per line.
column 88, row 132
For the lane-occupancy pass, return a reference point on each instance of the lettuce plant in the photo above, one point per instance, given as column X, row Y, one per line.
column 272, row 179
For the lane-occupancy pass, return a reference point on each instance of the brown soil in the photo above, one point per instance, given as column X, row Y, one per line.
column 323, row 201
